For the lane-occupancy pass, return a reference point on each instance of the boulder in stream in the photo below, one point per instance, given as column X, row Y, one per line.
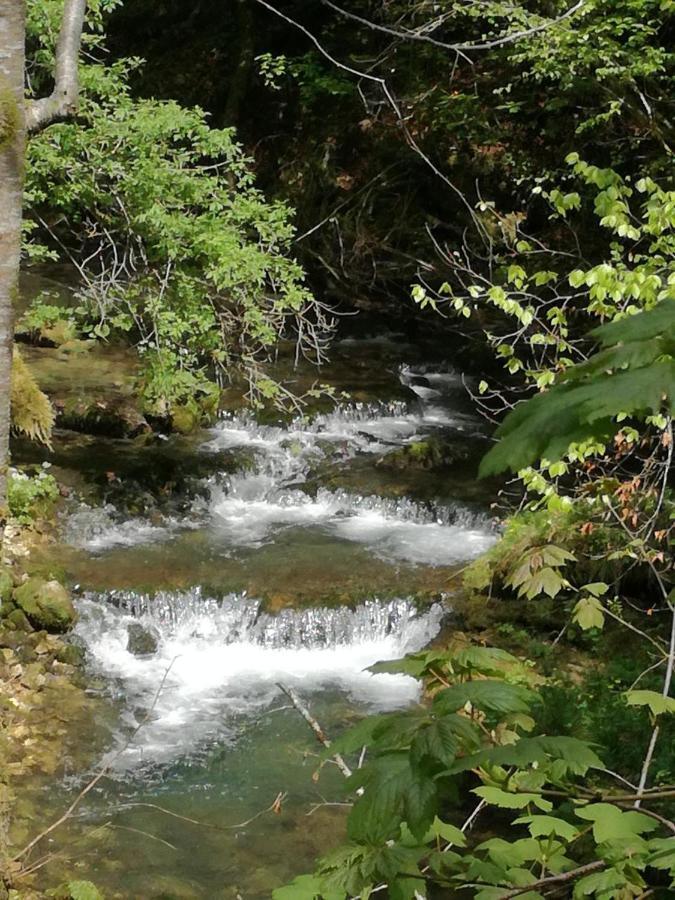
column 46, row 604
column 143, row 640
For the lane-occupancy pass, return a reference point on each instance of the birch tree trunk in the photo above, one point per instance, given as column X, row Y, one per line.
column 12, row 156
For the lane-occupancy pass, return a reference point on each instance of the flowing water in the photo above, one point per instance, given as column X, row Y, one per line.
column 297, row 553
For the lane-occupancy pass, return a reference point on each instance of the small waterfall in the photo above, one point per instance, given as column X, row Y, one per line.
column 238, row 618
column 219, row 659
column 252, row 507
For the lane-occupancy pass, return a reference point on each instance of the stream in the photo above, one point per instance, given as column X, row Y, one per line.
column 298, row 552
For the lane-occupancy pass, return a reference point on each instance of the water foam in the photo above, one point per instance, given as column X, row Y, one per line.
column 218, row 660
column 248, row 509
column 101, row 527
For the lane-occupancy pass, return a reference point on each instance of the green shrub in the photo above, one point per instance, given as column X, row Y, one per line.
column 31, row 496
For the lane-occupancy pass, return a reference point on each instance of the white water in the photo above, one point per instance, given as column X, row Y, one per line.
column 219, row 660
column 249, row 509
column 99, row 527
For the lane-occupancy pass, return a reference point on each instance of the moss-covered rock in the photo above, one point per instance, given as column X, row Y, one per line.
column 18, row 621
column 70, row 654
column 6, row 585
column 185, row 418
column 46, row 604
column 431, row 453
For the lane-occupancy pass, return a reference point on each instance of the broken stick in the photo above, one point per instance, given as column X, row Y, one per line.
column 316, row 728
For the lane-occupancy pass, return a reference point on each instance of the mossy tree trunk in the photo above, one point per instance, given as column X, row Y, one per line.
column 12, row 155
column 17, row 115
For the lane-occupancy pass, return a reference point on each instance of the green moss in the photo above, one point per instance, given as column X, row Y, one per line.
column 185, row 417
column 6, row 585
column 10, row 116
column 47, row 605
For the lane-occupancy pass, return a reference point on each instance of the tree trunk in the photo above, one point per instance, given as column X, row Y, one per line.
column 242, row 70
column 12, row 155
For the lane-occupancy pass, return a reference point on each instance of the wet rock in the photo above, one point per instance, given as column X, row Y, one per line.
column 428, row 454
column 46, row 604
column 184, row 419
column 143, row 640
column 10, row 640
column 18, row 621
column 70, row 654
column 114, row 416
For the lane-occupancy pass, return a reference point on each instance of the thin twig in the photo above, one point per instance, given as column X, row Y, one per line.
column 316, row 728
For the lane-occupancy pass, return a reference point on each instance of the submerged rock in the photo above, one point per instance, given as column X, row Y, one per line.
column 46, row 604
column 143, row 640
column 431, row 453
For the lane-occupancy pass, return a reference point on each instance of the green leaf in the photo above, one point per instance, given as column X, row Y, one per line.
column 406, row 889
column 304, row 887
column 447, row 832
column 420, row 803
column 657, row 703
column 544, row 826
column 488, row 695
column 610, row 823
column 568, row 754
column 377, row 815
column 84, row 890
column 443, row 738
column 589, row 613
column 359, row 735
column 662, row 854
column 506, row 800
column 629, row 379
column 604, row 885
column 394, row 791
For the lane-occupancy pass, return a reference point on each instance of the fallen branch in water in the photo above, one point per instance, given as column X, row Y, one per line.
column 274, row 807
column 316, row 728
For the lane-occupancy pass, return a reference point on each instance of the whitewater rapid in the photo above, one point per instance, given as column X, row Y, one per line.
column 218, row 660
column 254, row 506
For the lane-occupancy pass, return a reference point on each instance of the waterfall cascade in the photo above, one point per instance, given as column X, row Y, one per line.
column 220, row 659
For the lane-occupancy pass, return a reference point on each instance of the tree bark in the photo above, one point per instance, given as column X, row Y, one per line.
column 12, row 156
column 63, row 100
column 16, row 115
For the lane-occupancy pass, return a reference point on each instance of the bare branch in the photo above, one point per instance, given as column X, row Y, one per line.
column 553, row 880
column 63, row 100
column 465, row 47
column 316, row 728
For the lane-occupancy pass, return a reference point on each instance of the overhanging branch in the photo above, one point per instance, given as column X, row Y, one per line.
column 63, row 100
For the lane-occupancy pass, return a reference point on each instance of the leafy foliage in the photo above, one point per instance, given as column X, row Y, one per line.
column 32, row 413
column 30, row 496
column 475, row 735
column 181, row 252
column 633, row 375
